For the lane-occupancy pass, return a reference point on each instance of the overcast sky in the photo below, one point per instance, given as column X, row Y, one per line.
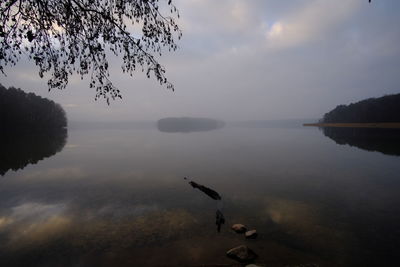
column 254, row 59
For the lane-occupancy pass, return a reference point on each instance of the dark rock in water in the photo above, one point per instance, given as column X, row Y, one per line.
column 187, row 124
column 208, row 191
column 241, row 254
column 239, row 228
column 251, row 234
column 219, row 219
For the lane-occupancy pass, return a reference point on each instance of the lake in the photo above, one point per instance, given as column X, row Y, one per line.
column 117, row 197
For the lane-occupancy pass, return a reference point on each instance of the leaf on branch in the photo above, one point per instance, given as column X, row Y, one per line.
column 30, row 36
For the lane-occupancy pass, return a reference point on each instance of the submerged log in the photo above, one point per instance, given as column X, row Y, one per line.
column 208, row 191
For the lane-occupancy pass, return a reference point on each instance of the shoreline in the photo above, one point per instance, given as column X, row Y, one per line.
column 386, row 125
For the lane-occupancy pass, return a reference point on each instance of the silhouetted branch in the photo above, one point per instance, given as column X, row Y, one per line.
column 64, row 37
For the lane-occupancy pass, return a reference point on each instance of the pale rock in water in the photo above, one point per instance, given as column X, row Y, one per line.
column 239, row 228
column 241, row 254
column 251, row 234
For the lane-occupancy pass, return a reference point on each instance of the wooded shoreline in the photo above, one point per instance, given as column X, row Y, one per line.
column 386, row 125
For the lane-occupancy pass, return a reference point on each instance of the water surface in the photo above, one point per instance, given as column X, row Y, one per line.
column 117, row 197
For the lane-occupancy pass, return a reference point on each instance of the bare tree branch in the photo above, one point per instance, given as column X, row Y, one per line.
column 64, row 37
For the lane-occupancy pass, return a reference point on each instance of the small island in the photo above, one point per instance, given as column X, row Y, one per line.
column 188, row 124
column 382, row 112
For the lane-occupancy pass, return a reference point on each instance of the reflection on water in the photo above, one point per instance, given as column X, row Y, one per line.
column 187, row 125
column 19, row 149
column 386, row 141
column 219, row 216
column 116, row 197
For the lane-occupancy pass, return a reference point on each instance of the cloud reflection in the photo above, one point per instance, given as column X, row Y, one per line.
column 307, row 227
column 30, row 224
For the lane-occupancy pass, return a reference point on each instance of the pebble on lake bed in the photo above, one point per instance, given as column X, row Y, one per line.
column 251, row 234
column 239, row 228
column 241, row 254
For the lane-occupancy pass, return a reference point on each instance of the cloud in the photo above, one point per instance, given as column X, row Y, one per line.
column 310, row 23
column 70, row 105
column 71, row 146
column 225, row 15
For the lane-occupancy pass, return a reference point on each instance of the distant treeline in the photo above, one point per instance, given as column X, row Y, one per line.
column 383, row 109
column 187, row 124
column 27, row 111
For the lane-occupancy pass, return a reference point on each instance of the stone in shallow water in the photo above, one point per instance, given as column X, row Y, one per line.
column 241, row 254
column 251, row 234
column 239, row 228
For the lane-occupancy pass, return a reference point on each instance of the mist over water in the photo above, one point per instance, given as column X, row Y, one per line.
column 117, row 197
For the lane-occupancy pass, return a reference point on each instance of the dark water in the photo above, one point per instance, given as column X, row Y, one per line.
column 118, row 198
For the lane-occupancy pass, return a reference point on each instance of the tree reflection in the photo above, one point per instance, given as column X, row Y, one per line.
column 386, row 141
column 18, row 149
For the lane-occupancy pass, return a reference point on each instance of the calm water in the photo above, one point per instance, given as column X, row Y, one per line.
column 117, row 197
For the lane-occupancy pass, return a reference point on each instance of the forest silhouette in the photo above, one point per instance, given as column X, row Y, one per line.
column 32, row 128
column 372, row 110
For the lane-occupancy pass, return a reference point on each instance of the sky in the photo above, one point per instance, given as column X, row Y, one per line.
column 250, row 60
